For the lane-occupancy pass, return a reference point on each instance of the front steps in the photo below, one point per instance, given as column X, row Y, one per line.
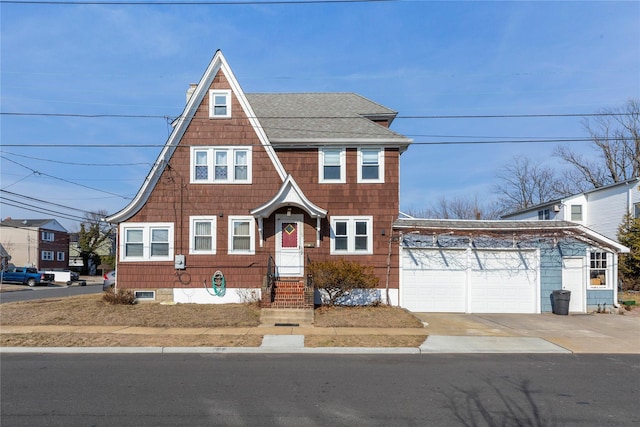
column 286, row 317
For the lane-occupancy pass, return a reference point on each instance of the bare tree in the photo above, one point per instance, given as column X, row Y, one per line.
column 94, row 233
column 458, row 208
column 524, row 183
column 615, row 137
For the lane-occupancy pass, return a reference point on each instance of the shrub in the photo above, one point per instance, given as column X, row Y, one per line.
column 339, row 279
column 119, row 296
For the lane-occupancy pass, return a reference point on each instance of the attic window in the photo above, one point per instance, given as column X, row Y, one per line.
column 219, row 103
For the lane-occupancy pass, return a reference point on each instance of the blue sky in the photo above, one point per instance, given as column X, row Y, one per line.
column 420, row 58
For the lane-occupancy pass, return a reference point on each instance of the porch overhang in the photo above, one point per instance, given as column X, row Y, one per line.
column 289, row 194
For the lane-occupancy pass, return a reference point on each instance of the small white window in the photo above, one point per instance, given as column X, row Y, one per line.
column 219, row 103
column 47, row 256
column 59, row 256
column 576, row 212
column 636, row 210
column 352, row 235
column 146, row 242
column 47, row 236
column 203, row 235
column 370, row 165
column 221, row 165
column 241, row 235
column 332, row 165
column 598, row 270
column 543, row 214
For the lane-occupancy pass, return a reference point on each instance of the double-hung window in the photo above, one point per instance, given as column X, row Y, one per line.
column 241, row 235
column 219, row 104
column 332, row 165
column 370, row 165
column 352, row 235
column 203, row 235
column 598, row 270
column 146, row 242
column 576, row 212
column 47, row 236
column 543, row 214
column 221, row 165
column 47, row 256
column 59, row 256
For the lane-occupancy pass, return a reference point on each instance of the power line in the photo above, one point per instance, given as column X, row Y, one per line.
column 411, row 117
column 189, row 3
column 77, row 164
column 11, row 193
column 35, row 172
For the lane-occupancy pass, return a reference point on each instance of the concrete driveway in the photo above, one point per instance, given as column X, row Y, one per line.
column 578, row 333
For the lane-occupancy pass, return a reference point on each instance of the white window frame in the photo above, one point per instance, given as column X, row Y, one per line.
column 600, row 267
column 636, row 210
column 147, row 229
column 192, row 235
column 46, row 255
column 572, row 213
column 252, row 235
column 48, row 236
column 59, row 256
column 351, row 235
column 343, row 164
column 230, row 165
column 544, row 214
column 380, row 165
column 213, row 93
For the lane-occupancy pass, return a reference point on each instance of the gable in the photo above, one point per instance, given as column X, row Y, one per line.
column 217, row 75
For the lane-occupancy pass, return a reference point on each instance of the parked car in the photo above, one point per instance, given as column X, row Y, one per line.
column 25, row 275
column 109, row 280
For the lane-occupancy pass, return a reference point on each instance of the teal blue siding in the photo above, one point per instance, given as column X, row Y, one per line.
column 599, row 296
column 551, row 269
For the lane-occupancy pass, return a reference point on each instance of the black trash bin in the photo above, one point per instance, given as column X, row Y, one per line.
column 561, row 302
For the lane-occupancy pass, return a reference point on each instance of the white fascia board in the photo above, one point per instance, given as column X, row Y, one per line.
column 296, row 142
column 289, row 194
column 604, row 240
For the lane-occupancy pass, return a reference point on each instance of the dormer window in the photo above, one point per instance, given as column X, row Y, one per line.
column 219, row 104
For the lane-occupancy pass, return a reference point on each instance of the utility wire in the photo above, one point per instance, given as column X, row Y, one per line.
column 11, row 193
column 189, row 3
column 413, row 117
column 63, row 180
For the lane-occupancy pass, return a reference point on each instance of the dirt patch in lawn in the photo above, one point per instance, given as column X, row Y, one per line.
column 126, row 340
column 90, row 310
column 364, row 340
column 365, row 317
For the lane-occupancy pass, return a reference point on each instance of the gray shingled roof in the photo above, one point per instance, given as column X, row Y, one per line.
column 323, row 117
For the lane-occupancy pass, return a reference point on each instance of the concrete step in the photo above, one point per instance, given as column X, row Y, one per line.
column 286, row 317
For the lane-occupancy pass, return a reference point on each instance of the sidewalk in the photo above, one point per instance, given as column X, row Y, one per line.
column 447, row 333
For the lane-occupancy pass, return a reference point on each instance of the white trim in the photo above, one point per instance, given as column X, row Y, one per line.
column 43, row 258
column 147, row 228
column 381, row 153
column 289, row 194
column 252, row 235
column 227, row 95
column 230, row 165
column 202, row 218
column 343, row 165
column 351, row 235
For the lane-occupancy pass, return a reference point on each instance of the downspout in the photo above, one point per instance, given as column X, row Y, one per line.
column 615, row 256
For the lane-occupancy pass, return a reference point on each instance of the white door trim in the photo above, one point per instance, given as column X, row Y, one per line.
column 289, row 261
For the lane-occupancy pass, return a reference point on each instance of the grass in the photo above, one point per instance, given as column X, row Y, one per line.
column 91, row 310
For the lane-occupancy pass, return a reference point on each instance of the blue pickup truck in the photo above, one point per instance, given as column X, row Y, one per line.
column 25, row 275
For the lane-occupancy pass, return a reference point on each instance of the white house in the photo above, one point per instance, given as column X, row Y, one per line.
column 601, row 209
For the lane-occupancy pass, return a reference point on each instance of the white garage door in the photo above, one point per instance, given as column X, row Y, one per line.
column 434, row 281
column 438, row 280
column 503, row 282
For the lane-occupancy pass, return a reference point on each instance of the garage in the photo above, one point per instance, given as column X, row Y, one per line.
column 459, row 280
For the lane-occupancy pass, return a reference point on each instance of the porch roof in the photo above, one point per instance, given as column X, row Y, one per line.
column 289, row 194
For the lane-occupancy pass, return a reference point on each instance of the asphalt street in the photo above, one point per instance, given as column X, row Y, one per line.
column 319, row 390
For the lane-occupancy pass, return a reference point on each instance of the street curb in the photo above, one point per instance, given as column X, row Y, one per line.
column 209, row 350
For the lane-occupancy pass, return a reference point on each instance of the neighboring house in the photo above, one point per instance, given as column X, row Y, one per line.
column 601, row 209
column 504, row 266
column 41, row 243
column 106, row 248
column 251, row 187
column 5, row 257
